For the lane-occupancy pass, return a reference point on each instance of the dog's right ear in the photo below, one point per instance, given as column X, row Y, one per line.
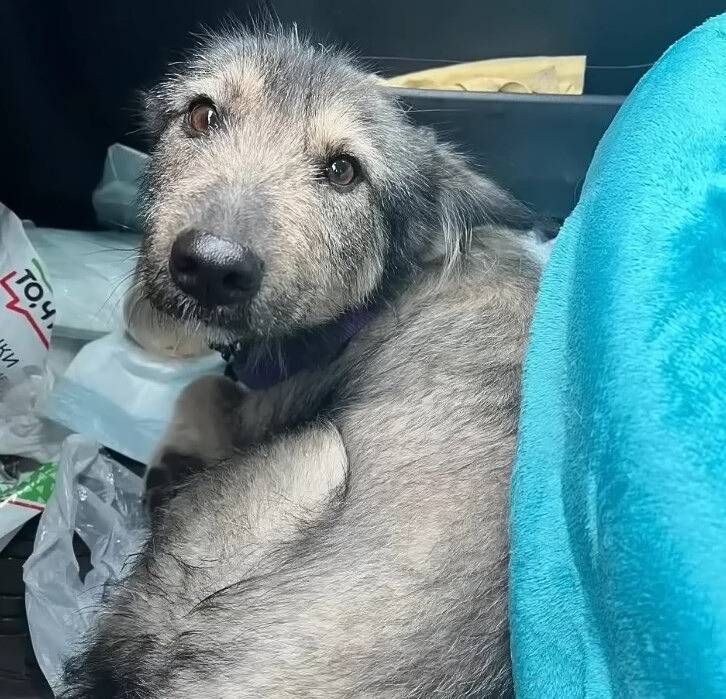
column 470, row 198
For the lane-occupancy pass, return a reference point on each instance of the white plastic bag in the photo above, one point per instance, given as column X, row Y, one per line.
column 27, row 312
column 24, row 491
column 27, row 365
column 100, row 500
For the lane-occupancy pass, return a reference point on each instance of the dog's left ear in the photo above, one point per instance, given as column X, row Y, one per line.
column 470, row 198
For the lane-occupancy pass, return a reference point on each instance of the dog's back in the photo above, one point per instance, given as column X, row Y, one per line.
column 363, row 553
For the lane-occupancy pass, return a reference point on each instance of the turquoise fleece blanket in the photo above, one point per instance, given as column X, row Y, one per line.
column 618, row 569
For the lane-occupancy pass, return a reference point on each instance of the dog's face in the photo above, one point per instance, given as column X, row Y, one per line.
column 284, row 185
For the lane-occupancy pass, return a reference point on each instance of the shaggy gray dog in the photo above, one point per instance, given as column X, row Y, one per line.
column 336, row 526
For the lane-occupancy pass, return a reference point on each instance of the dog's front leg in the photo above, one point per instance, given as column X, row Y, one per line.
column 214, row 417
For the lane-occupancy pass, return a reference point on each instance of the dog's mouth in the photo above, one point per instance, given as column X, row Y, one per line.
column 219, row 325
column 255, row 358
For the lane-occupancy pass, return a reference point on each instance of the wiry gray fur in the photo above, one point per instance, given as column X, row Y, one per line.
column 343, row 534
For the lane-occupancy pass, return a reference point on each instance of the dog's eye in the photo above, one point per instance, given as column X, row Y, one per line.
column 342, row 171
column 202, row 117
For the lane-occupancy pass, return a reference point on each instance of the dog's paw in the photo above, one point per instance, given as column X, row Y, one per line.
column 197, row 437
column 169, row 470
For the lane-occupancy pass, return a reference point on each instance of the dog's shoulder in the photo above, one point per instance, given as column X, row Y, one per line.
column 447, row 314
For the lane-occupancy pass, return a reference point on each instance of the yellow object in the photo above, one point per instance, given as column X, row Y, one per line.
column 546, row 75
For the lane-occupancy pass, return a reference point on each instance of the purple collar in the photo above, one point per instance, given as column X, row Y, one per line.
column 315, row 347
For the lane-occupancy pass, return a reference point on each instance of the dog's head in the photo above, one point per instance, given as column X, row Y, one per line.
column 286, row 186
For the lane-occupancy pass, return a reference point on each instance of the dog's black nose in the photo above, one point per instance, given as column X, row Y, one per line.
column 215, row 271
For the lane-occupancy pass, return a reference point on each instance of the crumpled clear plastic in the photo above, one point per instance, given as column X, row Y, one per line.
column 115, row 198
column 100, row 500
column 91, row 271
